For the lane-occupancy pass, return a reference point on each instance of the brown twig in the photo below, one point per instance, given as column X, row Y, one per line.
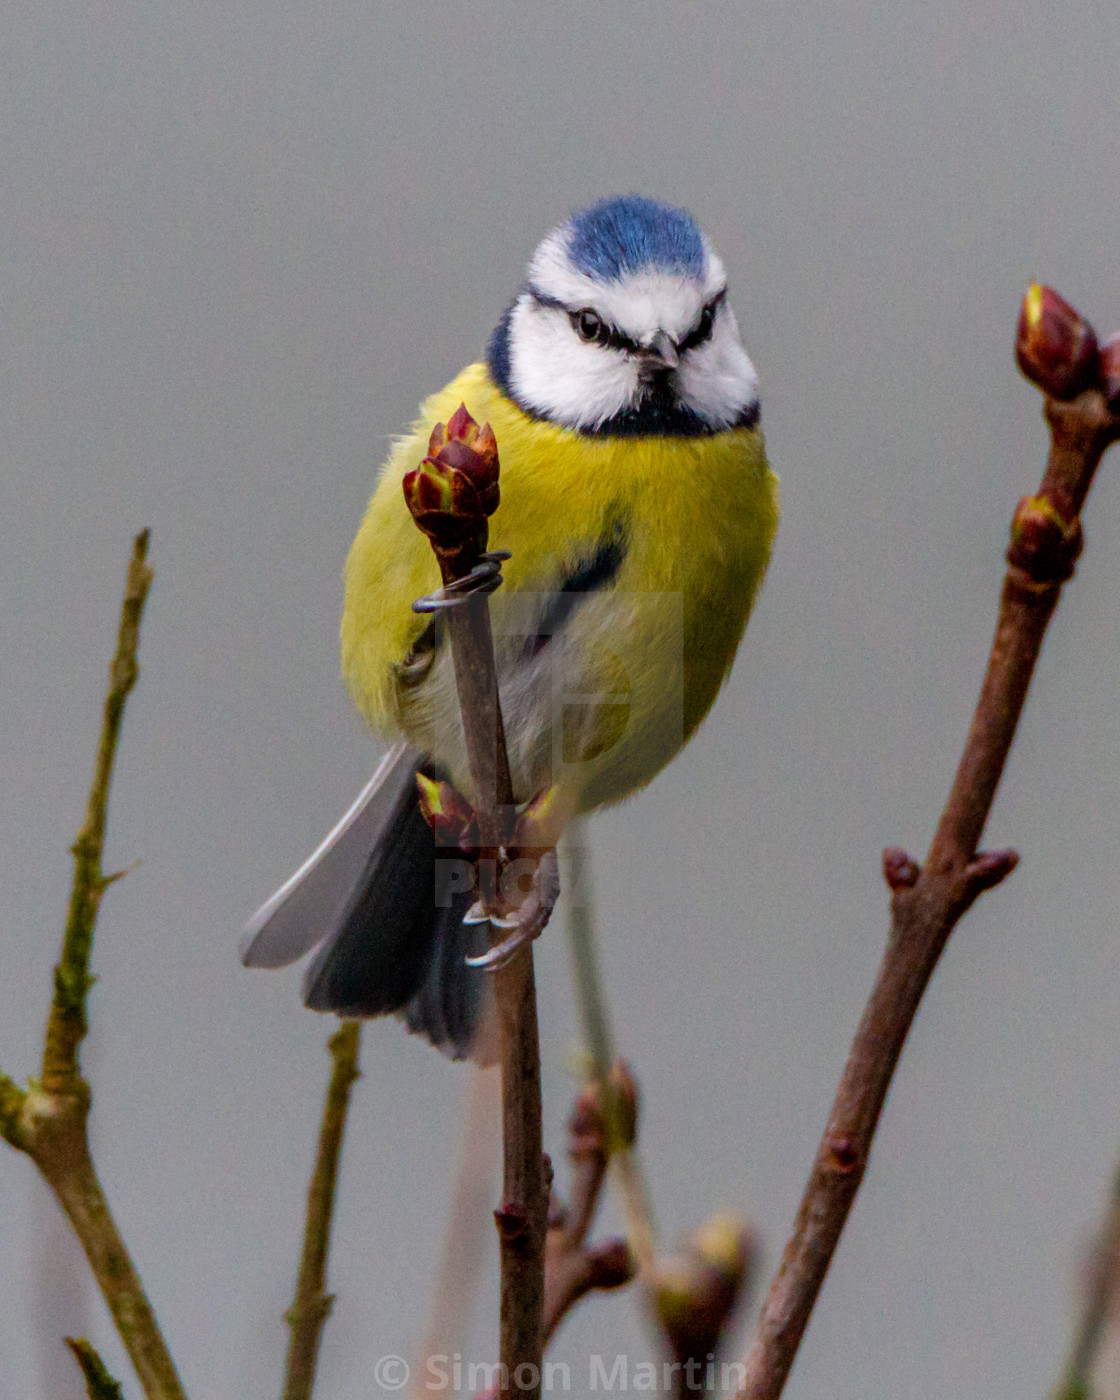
column 48, row 1120
column 312, row 1304
column 451, row 495
column 572, row 1267
column 927, row 902
column 521, row 1217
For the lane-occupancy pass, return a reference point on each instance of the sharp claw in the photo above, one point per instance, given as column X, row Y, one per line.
column 476, row 914
column 526, row 924
column 502, row 953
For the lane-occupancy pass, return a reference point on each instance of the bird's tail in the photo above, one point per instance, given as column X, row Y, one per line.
column 384, row 911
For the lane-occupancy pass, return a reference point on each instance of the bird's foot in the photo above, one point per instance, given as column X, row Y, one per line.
column 485, row 577
column 523, row 924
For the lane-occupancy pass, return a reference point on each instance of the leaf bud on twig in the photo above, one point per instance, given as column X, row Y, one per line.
column 1043, row 543
column 696, row 1291
column 1054, row 344
column 455, row 488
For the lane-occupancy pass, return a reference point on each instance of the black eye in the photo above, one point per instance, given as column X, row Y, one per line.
column 703, row 329
column 589, row 326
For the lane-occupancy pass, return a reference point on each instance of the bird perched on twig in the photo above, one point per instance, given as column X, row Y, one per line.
column 639, row 511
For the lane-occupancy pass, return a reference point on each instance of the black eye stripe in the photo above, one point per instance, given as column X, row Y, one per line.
column 615, row 339
column 702, row 331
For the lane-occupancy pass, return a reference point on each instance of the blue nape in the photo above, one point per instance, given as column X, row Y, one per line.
column 630, row 232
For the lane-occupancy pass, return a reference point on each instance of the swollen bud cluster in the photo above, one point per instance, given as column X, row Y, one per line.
column 454, row 490
column 696, row 1291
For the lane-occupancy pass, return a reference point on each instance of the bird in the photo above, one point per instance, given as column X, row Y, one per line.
column 639, row 512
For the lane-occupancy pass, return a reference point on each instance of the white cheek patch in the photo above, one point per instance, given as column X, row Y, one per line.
column 559, row 376
column 717, row 380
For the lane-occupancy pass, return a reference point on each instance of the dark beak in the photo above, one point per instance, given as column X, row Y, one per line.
column 662, row 350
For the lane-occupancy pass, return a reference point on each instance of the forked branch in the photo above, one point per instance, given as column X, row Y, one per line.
column 1058, row 350
column 312, row 1303
column 48, row 1120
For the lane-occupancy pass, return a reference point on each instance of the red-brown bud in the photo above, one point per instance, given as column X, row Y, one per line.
column 448, row 813
column 465, row 447
column 1043, row 543
column 1110, row 371
column 1054, row 344
column 900, row 871
column 611, row 1264
column 455, row 488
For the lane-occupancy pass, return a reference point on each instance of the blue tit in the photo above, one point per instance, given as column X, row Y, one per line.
column 639, row 512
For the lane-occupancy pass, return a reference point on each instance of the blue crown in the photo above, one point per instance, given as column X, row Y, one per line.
column 630, row 232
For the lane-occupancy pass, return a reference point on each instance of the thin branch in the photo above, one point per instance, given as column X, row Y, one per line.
column 1100, row 1298
column 522, row 1215
column 99, row 1383
column 596, row 1028
column 66, row 1025
column 928, row 902
column 572, row 1267
column 48, row 1121
column 312, row 1303
column 451, row 495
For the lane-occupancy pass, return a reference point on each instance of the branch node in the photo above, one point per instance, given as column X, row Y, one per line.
column 1045, row 545
column 841, row 1155
column 511, row 1220
column 988, row 869
column 900, row 870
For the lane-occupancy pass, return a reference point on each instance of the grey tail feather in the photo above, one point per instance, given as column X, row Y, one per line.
column 309, row 906
column 400, row 944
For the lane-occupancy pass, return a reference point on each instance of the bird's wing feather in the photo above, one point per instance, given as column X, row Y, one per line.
column 312, row 902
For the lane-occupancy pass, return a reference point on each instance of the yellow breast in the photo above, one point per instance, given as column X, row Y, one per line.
column 699, row 516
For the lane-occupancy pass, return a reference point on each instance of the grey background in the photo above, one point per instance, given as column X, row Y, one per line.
column 239, row 242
